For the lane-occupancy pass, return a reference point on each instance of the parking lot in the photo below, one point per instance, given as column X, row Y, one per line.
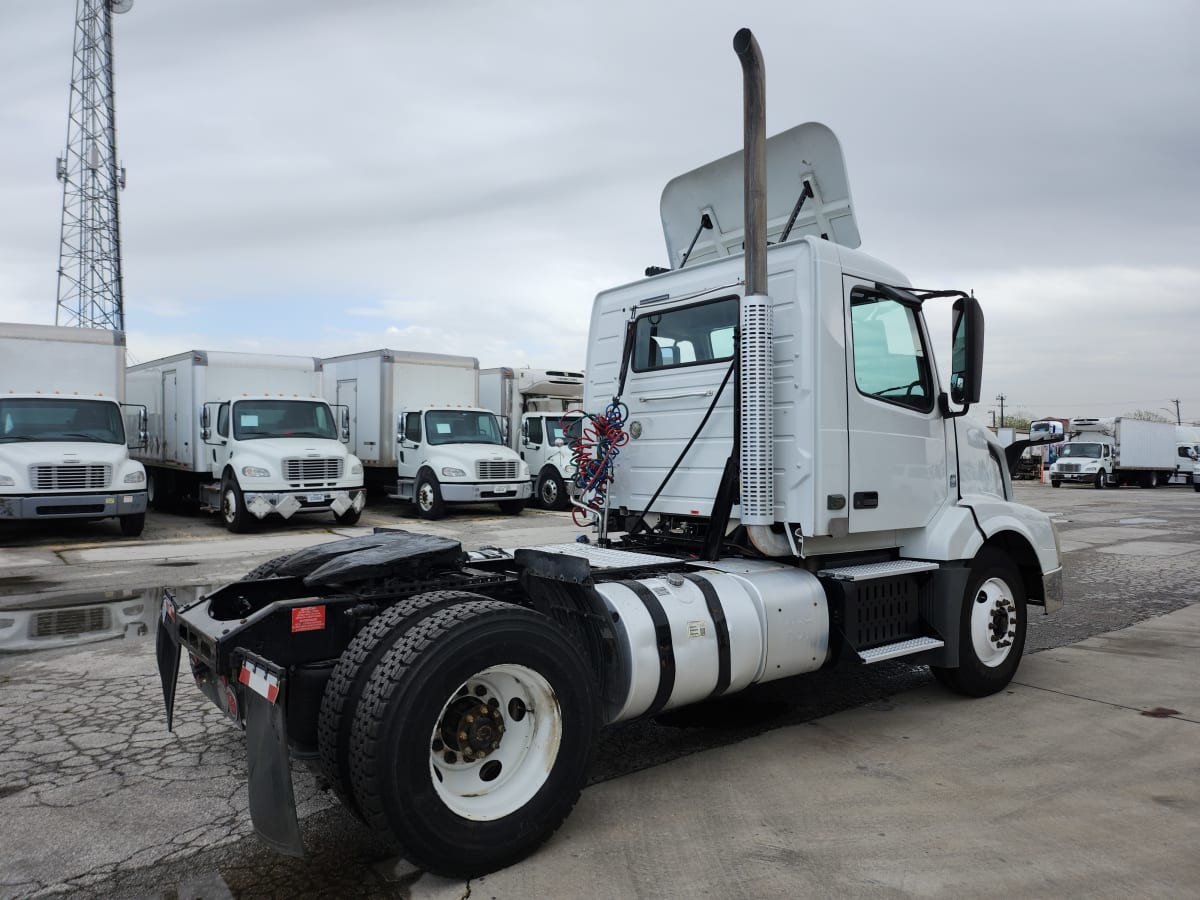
column 98, row 799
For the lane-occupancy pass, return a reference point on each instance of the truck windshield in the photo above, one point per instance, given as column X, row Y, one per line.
column 253, row 419
column 1077, row 451
column 565, row 429
column 60, row 419
column 451, row 426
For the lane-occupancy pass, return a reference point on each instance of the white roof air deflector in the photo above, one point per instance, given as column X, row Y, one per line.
column 807, row 153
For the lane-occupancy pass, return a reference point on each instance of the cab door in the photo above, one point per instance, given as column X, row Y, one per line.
column 897, row 446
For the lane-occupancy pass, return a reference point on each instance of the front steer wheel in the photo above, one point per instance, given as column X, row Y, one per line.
column 991, row 634
column 428, row 497
column 473, row 736
column 233, row 507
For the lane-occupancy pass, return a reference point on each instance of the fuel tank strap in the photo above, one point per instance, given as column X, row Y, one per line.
column 666, row 649
column 717, row 612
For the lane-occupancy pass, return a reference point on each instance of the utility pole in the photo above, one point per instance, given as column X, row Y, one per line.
column 89, row 263
column 1178, row 413
column 1001, row 398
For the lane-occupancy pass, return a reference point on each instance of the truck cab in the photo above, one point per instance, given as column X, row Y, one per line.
column 544, row 442
column 457, row 455
column 279, row 455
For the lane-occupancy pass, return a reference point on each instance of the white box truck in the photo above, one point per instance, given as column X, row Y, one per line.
column 63, row 435
column 1187, row 454
column 416, row 423
column 838, row 505
column 247, row 435
column 540, row 412
column 1110, row 452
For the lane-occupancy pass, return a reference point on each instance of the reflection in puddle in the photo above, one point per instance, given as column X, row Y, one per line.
column 48, row 621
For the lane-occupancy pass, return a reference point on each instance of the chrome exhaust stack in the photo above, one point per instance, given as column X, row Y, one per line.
column 757, row 363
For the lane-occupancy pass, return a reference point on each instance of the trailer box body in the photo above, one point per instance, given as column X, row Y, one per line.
column 64, row 433
column 245, row 433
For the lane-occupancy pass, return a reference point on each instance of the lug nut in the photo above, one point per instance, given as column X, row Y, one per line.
column 480, row 690
column 470, row 720
column 450, row 757
column 483, row 710
column 462, row 736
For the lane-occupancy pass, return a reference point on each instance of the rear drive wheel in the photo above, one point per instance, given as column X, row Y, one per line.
column 551, row 491
column 344, row 689
column 131, row 526
column 991, row 634
column 429, row 497
column 473, row 737
column 233, row 507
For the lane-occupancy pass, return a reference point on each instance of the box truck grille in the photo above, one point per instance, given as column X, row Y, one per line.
column 486, row 470
column 69, row 478
column 55, row 623
column 321, row 470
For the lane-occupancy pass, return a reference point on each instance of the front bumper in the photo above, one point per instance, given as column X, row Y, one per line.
column 73, row 506
column 288, row 503
column 457, row 492
column 1088, row 477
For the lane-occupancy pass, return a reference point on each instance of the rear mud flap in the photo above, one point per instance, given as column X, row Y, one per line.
column 272, row 801
column 166, row 651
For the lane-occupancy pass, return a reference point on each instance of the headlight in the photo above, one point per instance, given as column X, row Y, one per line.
column 1090, row 467
column 255, row 472
column 5, row 481
column 451, row 472
column 132, row 478
column 356, row 469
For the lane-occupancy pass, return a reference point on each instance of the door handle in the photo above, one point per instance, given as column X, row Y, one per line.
column 866, row 500
column 646, row 398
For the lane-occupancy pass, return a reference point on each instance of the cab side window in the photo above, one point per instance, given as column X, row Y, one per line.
column 412, row 427
column 534, row 435
column 890, row 361
column 685, row 336
column 223, row 420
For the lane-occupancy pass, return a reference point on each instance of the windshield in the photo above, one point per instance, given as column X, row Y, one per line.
column 1084, row 451
column 565, row 429
column 60, row 419
column 253, row 419
column 447, row 426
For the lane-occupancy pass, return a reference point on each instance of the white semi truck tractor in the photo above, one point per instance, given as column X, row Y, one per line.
column 540, row 413
column 793, row 484
column 245, row 435
column 64, row 431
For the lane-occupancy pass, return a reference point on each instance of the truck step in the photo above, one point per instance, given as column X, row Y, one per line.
column 878, row 570
column 900, row 648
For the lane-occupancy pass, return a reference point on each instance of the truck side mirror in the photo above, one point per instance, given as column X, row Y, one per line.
column 205, row 424
column 966, row 368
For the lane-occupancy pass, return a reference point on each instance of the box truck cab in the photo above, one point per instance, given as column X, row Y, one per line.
column 247, row 435
column 540, row 412
column 63, row 436
column 418, row 426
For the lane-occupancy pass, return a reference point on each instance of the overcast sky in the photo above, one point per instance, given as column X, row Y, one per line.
column 464, row 177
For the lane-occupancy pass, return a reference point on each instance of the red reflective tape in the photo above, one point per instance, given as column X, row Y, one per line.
column 244, row 675
column 308, row 618
column 272, row 692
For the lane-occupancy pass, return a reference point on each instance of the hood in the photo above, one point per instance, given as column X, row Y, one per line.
column 287, row 448
column 57, row 453
column 464, row 456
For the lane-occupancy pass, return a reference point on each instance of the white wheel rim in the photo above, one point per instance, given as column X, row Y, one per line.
column 230, row 505
column 507, row 776
column 549, row 491
column 425, row 497
column 993, row 622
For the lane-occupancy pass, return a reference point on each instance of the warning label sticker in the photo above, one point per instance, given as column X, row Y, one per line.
column 308, row 618
column 697, row 629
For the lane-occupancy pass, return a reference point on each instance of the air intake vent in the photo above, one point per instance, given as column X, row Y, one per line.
column 758, row 398
column 316, row 471
column 70, row 477
column 496, row 470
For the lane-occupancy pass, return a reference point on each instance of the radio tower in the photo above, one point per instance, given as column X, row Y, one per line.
column 89, row 263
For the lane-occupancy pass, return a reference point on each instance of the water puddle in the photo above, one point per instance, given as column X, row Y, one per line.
column 52, row 620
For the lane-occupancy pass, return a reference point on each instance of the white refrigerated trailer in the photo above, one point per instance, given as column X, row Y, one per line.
column 417, row 424
column 247, row 435
column 63, row 432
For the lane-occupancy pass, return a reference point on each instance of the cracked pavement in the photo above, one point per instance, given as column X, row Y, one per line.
column 97, row 799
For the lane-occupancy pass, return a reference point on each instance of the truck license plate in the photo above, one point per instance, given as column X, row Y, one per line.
column 315, row 498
